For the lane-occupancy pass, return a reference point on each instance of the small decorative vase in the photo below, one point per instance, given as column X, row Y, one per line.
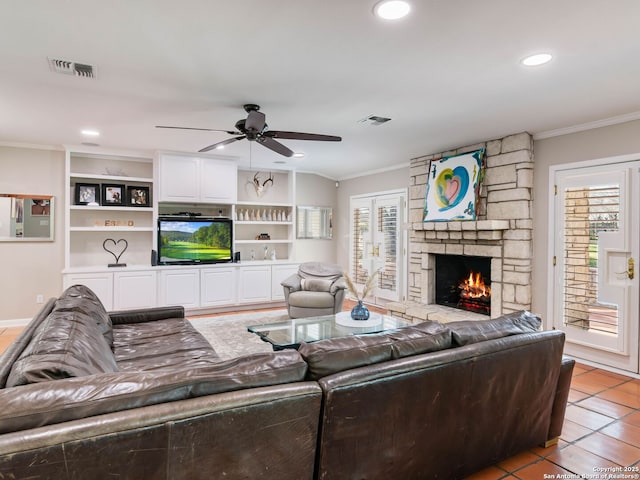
column 360, row 312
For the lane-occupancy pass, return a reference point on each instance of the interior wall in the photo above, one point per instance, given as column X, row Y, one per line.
column 31, row 268
column 592, row 144
column 316, row 191
column 377, row 182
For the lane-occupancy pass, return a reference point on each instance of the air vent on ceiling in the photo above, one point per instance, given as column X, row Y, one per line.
column 72, row 68
column 374, row 120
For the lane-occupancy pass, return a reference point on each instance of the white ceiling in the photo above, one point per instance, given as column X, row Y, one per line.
column 448, row 75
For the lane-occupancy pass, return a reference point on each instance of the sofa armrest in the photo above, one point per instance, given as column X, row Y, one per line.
column 560, row 400
column 292, row 283
column 145, row 315
column 338, row 284
column 15, row 349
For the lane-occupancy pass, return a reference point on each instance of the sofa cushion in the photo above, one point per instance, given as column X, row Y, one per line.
column 306, row 299
column 336, row 354
column 320, row 270
column 79, row 298
column 315, row 284
column 32, row 406
column 171, row 343
column 423, row 337
column 471, row 331
column 66, row 344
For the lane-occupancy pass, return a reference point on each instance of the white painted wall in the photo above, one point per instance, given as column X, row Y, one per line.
column 29, row 269
column 587, row 145
column 317, row 191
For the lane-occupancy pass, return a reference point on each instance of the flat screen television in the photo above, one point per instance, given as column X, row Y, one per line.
column 194, row 240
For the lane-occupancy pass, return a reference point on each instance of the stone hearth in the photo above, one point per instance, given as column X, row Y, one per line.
column 502, row 231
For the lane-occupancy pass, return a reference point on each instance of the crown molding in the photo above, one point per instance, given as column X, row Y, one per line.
column 32, row 146
column 311, row 172
column 628, row 117
column 374, row 172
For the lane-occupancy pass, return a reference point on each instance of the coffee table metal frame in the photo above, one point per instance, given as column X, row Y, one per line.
column 291, row 333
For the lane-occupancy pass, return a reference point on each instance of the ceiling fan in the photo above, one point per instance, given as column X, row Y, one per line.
column 255, row 128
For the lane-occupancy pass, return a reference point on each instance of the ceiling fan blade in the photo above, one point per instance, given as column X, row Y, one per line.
column 301, row 136
column 277, row 147
column 255, row 121
column 230, row 132
column 222, row 143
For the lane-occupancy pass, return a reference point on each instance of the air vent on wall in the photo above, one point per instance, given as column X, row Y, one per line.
column 374, row 120
column 72, row 68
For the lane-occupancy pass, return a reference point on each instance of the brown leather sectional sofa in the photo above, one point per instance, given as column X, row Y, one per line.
column 426, row 401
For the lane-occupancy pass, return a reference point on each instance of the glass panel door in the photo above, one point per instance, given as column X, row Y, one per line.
column 595, row 252
column 377, row 244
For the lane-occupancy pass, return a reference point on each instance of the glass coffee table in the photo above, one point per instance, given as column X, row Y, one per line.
column 291, row 333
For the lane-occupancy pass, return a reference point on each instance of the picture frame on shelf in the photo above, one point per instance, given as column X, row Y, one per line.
column 112, row 195
column 138, row 196
column 87, row 194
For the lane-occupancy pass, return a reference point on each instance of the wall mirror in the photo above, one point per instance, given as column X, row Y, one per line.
column 25, row 217
column 314, row 222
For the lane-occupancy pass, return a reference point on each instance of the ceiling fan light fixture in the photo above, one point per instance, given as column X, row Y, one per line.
column 254, row 128
column 391, row 9
column 537, row 59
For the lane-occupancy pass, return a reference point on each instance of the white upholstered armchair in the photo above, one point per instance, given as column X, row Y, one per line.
column 317, row 289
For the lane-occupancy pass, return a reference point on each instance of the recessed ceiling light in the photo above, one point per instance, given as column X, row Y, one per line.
column 537, row 59
column 298, row 155
column 220, row 147
column 90, row 133
column 391, row 9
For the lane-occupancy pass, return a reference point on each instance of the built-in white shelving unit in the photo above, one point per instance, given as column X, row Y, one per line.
column 269, row 211
column 89, row 225
column 176, row 183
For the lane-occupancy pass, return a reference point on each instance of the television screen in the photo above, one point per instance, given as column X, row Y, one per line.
column 194, row 240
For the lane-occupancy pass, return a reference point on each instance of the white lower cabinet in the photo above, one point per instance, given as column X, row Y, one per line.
column 101, row 283
column 254, row 284
column 180, row 287
column 278, row 274
column 134, row 290
column 217, row 286
column 193, row 287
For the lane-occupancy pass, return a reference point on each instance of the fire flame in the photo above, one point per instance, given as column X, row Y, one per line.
column 474, row 287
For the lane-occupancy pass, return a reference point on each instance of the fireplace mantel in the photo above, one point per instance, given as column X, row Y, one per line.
column 479, row 225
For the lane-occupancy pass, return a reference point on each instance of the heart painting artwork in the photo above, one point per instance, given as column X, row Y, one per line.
column 452, row 187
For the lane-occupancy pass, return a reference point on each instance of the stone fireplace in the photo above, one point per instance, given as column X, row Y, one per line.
column 502, row 233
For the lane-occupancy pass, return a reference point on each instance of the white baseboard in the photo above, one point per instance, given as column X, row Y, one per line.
column 18, row 322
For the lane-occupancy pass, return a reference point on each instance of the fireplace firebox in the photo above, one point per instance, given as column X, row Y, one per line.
column 463, row 282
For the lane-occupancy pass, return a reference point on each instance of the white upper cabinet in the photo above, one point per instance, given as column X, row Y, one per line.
column 179, row 179
column 187, row 179
column 218, row 181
